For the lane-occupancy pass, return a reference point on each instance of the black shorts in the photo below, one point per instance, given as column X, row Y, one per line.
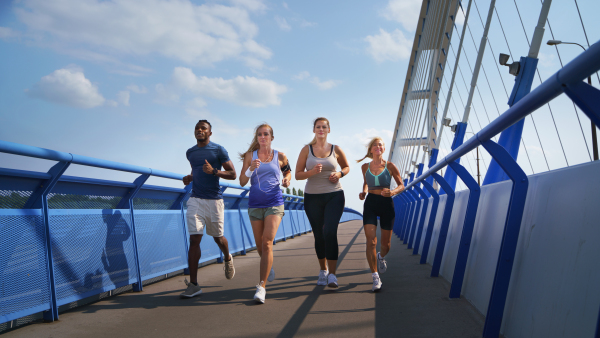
column 377, row 205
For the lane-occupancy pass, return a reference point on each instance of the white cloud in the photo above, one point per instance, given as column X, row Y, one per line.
column 243, row 91
column 195, row 34
column 301, row 76
column 6, row 32
column 123, row 97
column 67, row 86
column 285, row 5
column 546, row 60
column 283, row 24
column 304, row 23
column 460, row 18
column 322, row 85
column 136, row 89
column 406, row 12
column 389, row 46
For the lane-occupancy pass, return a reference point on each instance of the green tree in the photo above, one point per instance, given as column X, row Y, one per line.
column 300, row 193
column 294, row 192
column 287, row 191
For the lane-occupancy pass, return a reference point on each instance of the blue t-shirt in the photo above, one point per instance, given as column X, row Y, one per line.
column 205, row 185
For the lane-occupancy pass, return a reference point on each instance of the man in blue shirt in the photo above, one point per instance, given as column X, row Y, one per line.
column 205, row 207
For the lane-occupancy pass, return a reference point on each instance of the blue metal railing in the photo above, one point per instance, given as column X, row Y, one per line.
column 65, row 238
column 568, row 80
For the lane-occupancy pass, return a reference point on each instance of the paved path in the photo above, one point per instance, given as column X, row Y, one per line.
column 410, row 304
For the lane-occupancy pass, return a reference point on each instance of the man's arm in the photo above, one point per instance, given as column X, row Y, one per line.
column 228, row 173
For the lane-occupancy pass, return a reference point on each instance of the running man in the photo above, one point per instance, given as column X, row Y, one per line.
column 378, row 176
column 205, row 207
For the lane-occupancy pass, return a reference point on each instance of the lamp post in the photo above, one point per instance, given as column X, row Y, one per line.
column 594, row 140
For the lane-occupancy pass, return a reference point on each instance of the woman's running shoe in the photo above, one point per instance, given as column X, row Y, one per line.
column 332, row 281
column 323, row 277
column 260, row 294
column 381, row 263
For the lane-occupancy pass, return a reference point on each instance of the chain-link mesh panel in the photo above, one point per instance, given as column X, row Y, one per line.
column 91, row 251
column 23, row 267
column 11, row 199
column 69, row 201
column 160, row 239
column 152, row 204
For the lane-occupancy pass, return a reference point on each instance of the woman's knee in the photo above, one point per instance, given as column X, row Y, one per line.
column 267, row 244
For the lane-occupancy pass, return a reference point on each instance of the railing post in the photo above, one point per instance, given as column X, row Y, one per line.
column 422, row 220
column 127, row 202
column 178, row 204
column 415, row 218
column 411, row 212
column 587, row 98
column 39, row 200
column 237, row 205
column 510, row 237
column 432, row 217
column 441, row 243
column 467, row 230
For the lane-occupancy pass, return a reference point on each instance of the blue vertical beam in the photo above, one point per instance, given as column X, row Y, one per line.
column 441, row 243
column 237, row 205
column 296, row 207
column 398, row 210
column 587, row 98
column 510, row 138
column 409, row 213
column 415, row 218
column 510, row 237
column 39, row 200
column 422, row 220
column 467, row 230
column 432, row 216
column 127, row 203
column 289, row 204
column 459, row 137
column 183, row 197
column 404, row 216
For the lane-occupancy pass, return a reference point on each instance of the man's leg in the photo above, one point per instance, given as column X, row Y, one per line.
column 194, row 257
column 224, row 246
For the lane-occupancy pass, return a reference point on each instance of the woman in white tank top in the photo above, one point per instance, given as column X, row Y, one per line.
column 323, row 196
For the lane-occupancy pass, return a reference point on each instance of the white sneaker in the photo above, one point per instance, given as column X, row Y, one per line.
column 381, row 263
column 376, row 284
column 332, row 281
column 260, row 294
column 323, row 277
column 271, row 275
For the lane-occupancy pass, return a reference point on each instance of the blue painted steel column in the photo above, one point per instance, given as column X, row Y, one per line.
column 39, row 200
column 510, row 138
column 178, row 204
column 415, row 218
column 405, row 208
column 422, row 220
column 441, row 243
column 409, row 214
column 467, row 230
column 237, row 204
column 127, row 202
column 512, row 227
column 459, row 137
column 432, row 217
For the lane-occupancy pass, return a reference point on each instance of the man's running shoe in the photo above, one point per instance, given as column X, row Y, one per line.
column 191, row 291
column 229, row 269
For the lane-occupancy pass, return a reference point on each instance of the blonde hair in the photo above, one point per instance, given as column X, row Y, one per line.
column 369, row 154
column 314, row 140
column 254, row 144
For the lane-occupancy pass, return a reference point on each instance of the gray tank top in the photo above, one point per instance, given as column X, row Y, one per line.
column 319, row 183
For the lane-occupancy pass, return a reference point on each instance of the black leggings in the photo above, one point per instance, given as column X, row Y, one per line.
column 324, row 212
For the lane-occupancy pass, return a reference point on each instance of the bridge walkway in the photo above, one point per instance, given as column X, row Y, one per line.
column 410, row 304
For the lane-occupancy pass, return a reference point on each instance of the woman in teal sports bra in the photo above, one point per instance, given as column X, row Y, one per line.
column 377, row 179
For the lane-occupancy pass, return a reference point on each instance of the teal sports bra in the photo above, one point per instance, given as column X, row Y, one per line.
column 382, row 180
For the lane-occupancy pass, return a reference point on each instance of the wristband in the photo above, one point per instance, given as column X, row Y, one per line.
column 248, row 173
column 342, row 172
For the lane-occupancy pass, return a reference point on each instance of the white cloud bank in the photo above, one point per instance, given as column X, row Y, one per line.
column 241, row 90
column 406, row 12
column 195, row 34
column 322, row 85
column 392, row 46
column 68, row 87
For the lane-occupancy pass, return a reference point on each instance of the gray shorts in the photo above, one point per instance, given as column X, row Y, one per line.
column 205, row 214
column 259, row 214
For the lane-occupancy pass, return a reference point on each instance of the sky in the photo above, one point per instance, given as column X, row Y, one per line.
column 127, row 80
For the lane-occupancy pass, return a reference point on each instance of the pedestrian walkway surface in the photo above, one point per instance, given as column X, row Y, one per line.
column 410, row 304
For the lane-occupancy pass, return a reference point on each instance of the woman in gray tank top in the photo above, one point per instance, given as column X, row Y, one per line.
column 323, row 196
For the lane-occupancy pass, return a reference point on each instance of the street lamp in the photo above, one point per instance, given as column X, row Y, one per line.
column 594, row 140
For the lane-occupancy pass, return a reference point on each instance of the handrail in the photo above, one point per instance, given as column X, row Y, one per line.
column 53, row 155
column 575, row 71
